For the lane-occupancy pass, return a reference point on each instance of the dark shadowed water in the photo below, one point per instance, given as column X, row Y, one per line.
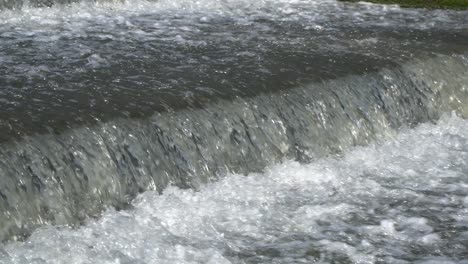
column 67, row 66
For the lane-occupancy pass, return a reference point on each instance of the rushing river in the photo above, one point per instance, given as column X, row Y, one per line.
column 223, row 131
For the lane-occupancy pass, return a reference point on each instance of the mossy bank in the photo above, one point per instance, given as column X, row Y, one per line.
column 432, row 4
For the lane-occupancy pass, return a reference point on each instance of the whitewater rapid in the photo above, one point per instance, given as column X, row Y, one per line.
column 403, row 200
column 232, row 131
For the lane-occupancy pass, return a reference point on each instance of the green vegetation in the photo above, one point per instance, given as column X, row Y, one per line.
column 433, row 4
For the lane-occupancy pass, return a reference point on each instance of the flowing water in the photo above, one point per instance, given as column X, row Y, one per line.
column 403, row 201
column 128, row 129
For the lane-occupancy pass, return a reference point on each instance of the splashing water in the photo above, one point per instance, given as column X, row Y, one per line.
column 399, row 201
column 105, row 101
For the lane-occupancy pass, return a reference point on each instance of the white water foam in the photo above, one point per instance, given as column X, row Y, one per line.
column 399, row 201
column 319, row 13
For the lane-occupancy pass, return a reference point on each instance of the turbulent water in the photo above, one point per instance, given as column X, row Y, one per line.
column 319, row 102
column 402, row 201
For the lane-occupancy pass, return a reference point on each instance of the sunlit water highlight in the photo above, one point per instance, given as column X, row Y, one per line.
column 403, row 200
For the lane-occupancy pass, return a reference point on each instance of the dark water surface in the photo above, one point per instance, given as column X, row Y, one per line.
column 60, row 68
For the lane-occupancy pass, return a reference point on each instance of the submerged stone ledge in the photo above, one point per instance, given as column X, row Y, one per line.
column 432, row 4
